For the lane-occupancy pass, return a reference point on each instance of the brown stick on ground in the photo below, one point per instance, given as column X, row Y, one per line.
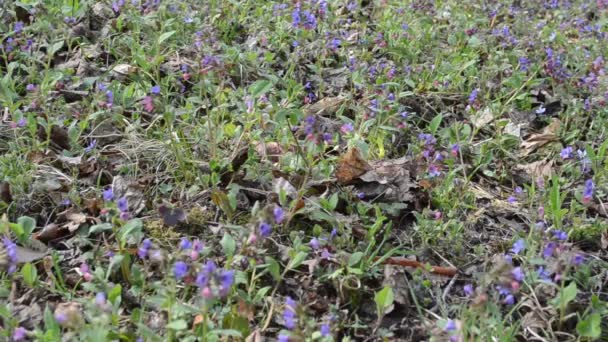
column 439, row 270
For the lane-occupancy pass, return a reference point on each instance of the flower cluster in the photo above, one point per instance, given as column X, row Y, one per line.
column 214, row 282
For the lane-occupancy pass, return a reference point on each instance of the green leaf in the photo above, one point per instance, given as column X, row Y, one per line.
column 273, row 268
column 54, row 48
column 297, row 260
column 165, row 36
column 115, row 262
column 180, row 324
column 333, row 201
column 384, row 300
column 228, row 245
column 130, row 228
column 591, row 326
column 260, row 88
column 114, row 294
column 27, row 224
column 30, row 274
column 355, row 258
column 102, row 227
column 566, row 295
column 236, row 322
column 434, row 125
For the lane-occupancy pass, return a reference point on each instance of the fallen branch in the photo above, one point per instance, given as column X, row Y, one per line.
column 439, row 270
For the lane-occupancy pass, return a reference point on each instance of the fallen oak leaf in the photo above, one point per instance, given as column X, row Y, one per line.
column 351, row 166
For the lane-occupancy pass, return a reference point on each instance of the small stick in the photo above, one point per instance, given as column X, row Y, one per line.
column 439, row 270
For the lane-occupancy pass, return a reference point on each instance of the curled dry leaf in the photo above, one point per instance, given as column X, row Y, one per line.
column 395, row 278
column 537, row 140
column 538, row 169
column 351, row 166
column 270, row 150
column 326, row 106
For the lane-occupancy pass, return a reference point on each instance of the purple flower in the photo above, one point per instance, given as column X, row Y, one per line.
column 21, row 122
column 512, row 200
column 325, row 254
column 185, row 244
column 180, row 269
column 518, row 246
column 210, row 267
column 455, row 149
column 508, row 259
column 142, row 251
column 548, row 250
column 19, row 334
column 347, row 128
column 588, row 191
column 517, row 274
column 473, row 96
column 585, row 161
column 518, row 190
column 279, row 214
column 226, row 279
column 325, row 330
column 91, row 145
column 283, row 338
column 11, row 253
column 566, row 153
column 155, row 90
column 202, row 279
column 61, row 317
column 560, row 235
column 509, row 300
column 334, row 233
column 450, row 325
column 18, row 27
column 123, row 204
column 434, row 170
column 109, row 97
column 468, row 290
column 578, row 259
column 265, row 229
column 100, row 299
column 314, row 243
column 524, row 63
column 289, row 315
column 543, row 274
column 108, row 195
column 295, row 17
column 30, row 87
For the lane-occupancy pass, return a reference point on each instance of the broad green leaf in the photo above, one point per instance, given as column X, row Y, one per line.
column 228, row 245
column 591, row 326
column 384, row 300
column 260, row 88
column 566, row 295
column 273, row 268
column 297, row 260
column 165, row 36
column 179, row 324
column 355, row 258
column 434, row 125
column 30, row 274
column 27, row 224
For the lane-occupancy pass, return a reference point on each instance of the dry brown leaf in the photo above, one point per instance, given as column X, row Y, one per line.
column 5, row 192
column 604, row 240
column 326, row 106
column 58, row 136
column 281, row 183
column 537, row 140
column 394, row 277
column 538, row 169
column 351, row 166
column 391, row 179
column 50, row 232
column 74, row 219
column 270, row 150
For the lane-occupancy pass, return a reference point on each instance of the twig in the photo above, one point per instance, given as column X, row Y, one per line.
column 439, row 270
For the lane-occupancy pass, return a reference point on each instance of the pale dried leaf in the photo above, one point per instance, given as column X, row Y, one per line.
column 394, row 276
column 538, row 169
column 25, row 255
column 604, row 240
column 326, row 106
column 535, row 141
column 281, row 183
column 483, row 118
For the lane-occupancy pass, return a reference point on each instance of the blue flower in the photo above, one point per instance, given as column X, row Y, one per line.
column 100, row 299
column 265, row 229
column 185, row 244
column 155, row 90
column 560, row 235
column 450, row 325
column 473, row 96
column 566, row 153
column 279, row 214
column 518, row 246
column 289, row 315
column 325, row 330
column 468, row 290
column 548, row 250
column 517, row 274
column 123, row 204
column 180, row 269
column 314, row 243
column 588, row 191
column 108, row 195
column 11, row 253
